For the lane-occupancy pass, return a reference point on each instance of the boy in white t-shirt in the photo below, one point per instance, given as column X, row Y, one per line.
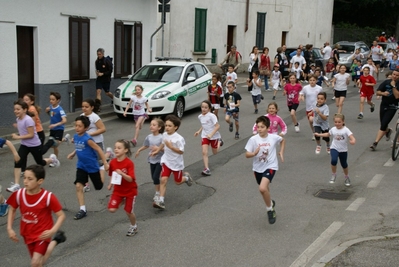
column 230, row 76
column 297, row 70
column 172, row 160
column 262, row 148
column 372, row 67
column 256, row 91
column 277, row 79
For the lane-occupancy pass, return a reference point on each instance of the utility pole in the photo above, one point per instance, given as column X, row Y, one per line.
column 163, row 7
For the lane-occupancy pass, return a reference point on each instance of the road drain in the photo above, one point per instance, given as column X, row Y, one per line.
column 332, row 195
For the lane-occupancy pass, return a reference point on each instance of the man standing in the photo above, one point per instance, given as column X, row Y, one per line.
column 376, row 54
column 298, row 58
column 233, row 57
column 326, row 50
column 103, row 72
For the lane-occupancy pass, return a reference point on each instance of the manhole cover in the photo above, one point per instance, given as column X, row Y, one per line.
column 332, row 195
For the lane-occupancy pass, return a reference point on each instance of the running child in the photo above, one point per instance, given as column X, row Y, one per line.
column 256, row 92
column 233, row 100
column 215, row 92
column 353, row 72
column 320, row 78
column 219, row 83
column 123, row 180
column 58, row 119
column 172, row 160
column 153, row 141
column 36, row 225
column 30, row 143
column 320, row 121
column 291, row 90
column 310, row 92
column 339, row 147
column 209, row 133
column 277, row 79
column 35, row 110
column 138, row 102
column 329, row 68
column 231, row 76
column 366, row 84
column 262, row 148
column 298, row 71
column 87, row 165
column 276, row 121
column 340, row 83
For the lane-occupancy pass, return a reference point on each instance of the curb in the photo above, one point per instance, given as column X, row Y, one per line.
column 342, row 247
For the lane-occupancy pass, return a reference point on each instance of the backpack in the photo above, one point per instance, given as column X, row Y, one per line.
column 110, row 59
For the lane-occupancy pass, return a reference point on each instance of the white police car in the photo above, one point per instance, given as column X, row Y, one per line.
column 172, row 85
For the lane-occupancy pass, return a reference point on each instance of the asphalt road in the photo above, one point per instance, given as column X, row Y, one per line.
column 221, row 220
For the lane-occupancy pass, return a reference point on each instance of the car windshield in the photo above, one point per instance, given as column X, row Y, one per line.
column 317, row 53
column 153, row 73
column 346, row 48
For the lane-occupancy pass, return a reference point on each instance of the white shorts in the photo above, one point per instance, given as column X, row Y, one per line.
column 275, row 84
column 216, row 106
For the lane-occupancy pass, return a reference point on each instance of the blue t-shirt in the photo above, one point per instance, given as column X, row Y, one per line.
column 87, row 156
column 56, row 115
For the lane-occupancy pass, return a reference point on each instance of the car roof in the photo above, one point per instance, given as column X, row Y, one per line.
column 351, row 43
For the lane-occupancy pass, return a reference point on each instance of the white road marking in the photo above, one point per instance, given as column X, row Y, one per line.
column 320, row 242
column 356, row 204
column 375, row 181
column 389, row 163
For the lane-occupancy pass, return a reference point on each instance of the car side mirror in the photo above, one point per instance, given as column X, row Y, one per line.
column 190, row 79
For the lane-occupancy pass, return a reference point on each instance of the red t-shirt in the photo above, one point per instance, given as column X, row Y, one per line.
column 292, row 92
column 35, row 212
column 214, row 96
column 367, row 90
column 125, row 188
column 330, row 67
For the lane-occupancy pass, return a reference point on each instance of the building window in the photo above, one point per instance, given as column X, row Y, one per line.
column 122, row 50
column 200, row 30
column 79, row 48
column 260, row 30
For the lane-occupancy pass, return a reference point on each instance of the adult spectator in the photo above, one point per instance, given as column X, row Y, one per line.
column 326, row 51
column 103, row 72
column 233, row 57
column 376, row 54
column 383, row 38
column 308, row 55
column 293, row 53
column 254, row 62
column 388, row 89
column 282, row 61
column 298, row 58
column 335, row 54
column 264, row 67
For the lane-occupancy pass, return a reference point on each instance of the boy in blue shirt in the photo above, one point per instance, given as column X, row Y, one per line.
column 57, row 121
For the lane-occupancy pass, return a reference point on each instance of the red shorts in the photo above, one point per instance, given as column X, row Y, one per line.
column 310, row 113
column 366, row 95
column 115, row 201
column 38, row 247
column 166, row 172
column 214, row 143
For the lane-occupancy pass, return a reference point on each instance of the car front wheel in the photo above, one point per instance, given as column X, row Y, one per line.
column 179, row 108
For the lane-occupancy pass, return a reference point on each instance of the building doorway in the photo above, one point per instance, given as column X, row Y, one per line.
column 25, row 60
column 230, row 37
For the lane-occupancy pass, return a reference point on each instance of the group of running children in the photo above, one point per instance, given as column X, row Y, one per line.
column 166, row 148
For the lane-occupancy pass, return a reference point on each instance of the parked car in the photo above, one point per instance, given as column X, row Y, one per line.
column 172, row 85
column 317, row 56
column 347, row 49
column 386, row 46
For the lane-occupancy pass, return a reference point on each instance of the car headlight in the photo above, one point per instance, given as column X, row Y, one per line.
column 117, row 93
column 160, row 94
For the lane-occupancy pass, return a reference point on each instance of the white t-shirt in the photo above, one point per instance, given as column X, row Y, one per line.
column 171, row 159
column 299, row 59
column 94, row 118
column 374, row 53
column 340, row 138
column 276, row 75
column 327, row 52
column 138, row 104
column 208, row 122
column 267, row 156
column 297, row 72
column 340, row 81
column 256, row 90
column 310, row 94
column 372, row 69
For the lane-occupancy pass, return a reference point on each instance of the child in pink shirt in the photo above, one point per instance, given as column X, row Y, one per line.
column 275, row 121
column 291, row 90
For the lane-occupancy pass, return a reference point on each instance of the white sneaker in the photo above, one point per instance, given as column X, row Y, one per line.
column 318, row 149
column 13, row 187
column 313, row 138
column 296, row 127
column 333, row 98
column 110, row 153
column 156, row 197
column 54, row 161
column 68, row 139
column 86, row 188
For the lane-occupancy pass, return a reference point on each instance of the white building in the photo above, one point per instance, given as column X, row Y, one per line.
column 205, row 29
column 50, row 45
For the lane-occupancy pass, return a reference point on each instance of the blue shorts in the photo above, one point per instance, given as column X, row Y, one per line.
column 2, row 142
column 233, row 114
column 256, row 99
column 268, row 174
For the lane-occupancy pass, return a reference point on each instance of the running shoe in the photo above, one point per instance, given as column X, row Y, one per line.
column 237, row 136
column 271, row 214
column 80, row 215
column 3, row 209
column 333, row 98
column 360, row 116
column 328, row 150
column 159, row 204
column 156, row 197
column 206, row 172
column 221, row 142
column 296, row 127
column 54, row 161
column 333, row 177
column 347, row 181
column 189, row 180
column 55, row 143
column 274, row 98
column 132, row 231
column 372, row 107
column 388, row 134
column 134, row 142
column 68, row 139
column 231, row 127
column 59, row 237
column 86, row 188
column 13, row 187
column 318, row 149
column 261, row 97
column 256, row 111
column 374, row 146
column 313, row 138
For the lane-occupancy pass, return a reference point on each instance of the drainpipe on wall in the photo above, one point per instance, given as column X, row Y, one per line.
column 246, row 15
